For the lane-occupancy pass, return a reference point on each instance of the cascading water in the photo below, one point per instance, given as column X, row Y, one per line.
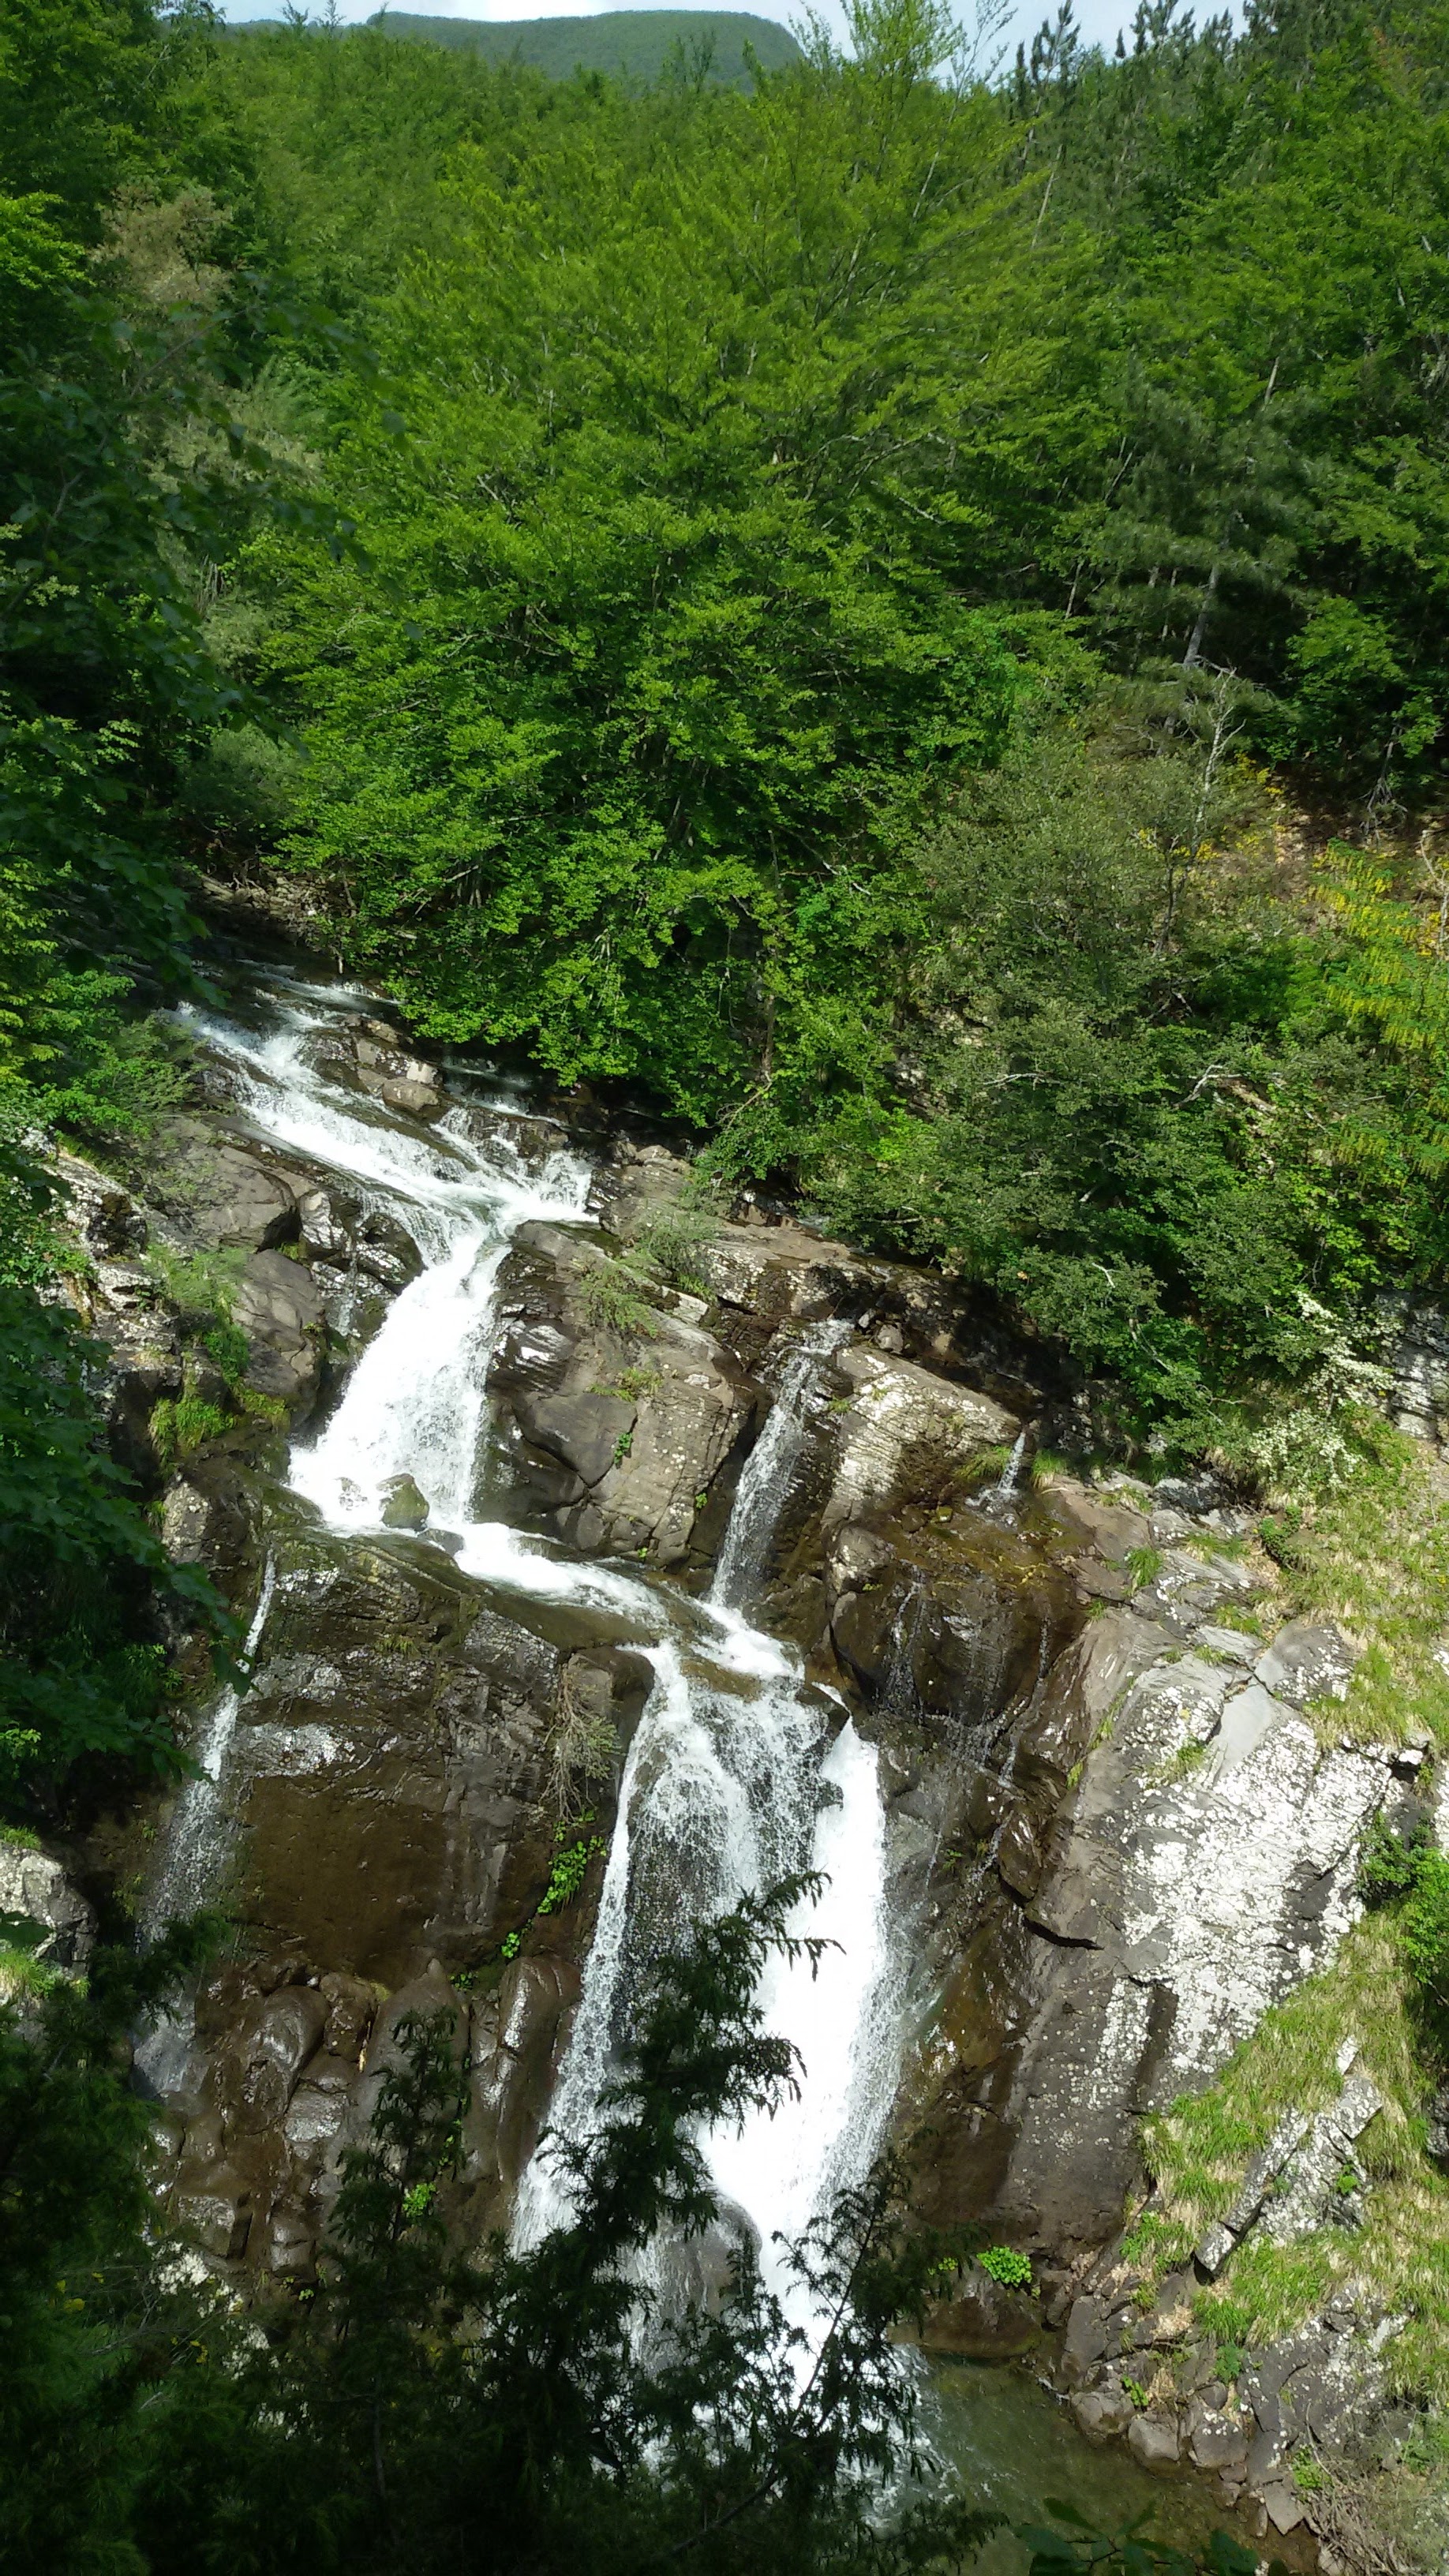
column 760, row 1494
column 734, row 1775
column 194, row 1848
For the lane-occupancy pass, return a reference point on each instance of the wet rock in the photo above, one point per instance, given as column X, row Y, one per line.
column 519, row 2034
column 351, row 2007
column 905, row 1429
column 1085, row 2342
column 1103, row 2414
column 253, row 2073
column 324, row 1234
column 277, row 1305
column 404, row 1507
column 216, row 2210
column 615, row 1432
column 402, row 1081
column 391, row 1756
column 430, row 2001
column 36, row 1890
column 958, row 1620
column 984, row 2322
column 524, row 1136
column 291, row 2245
column 319, row 2109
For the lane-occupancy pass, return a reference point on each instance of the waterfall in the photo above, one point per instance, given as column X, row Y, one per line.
column 735, row 1775
column 764, row 1482
column 1012, row 1482
column 195, row 1843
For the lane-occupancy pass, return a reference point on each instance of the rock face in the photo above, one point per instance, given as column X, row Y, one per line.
column 615, row 1431
column 47, row 1913
column 1120, row 1826
column 1175, row 1852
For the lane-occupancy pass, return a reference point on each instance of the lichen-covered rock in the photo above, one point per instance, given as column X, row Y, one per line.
column 905, row 1433
column 103, row 1215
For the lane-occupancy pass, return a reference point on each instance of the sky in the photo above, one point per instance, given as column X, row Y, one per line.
column 1098, row 20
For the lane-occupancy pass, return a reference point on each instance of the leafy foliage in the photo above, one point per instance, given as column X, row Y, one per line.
column 81, row 1663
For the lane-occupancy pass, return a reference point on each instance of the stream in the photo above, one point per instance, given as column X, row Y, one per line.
column 737, row 1772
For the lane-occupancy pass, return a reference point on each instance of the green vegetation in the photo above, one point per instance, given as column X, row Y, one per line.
column 418, row 2397
column 1004, row 2263
column 574, row 1747
column 902, row 618
column 1373, row 1554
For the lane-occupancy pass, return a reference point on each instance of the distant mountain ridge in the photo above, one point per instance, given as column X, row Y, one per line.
column 633, row 43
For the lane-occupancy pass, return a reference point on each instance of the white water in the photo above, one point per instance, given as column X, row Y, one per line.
column 764, row 1484
column 730, row 1780
column 194, row 1848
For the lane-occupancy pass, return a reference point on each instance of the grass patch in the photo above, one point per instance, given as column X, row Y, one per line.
column 181, row 1425
column 671, row 1239
column 1199, row 2149
column 1374, row 1558
column 198, row 1282
column 1178, row 1766
column 632, row 1385
column 613, row 1296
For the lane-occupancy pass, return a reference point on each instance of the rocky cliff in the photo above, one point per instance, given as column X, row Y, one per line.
column 1121, row 1822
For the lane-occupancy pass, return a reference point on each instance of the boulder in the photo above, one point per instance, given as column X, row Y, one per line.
column 391, row 1756
column 1085, row 2341
column 905, row 1431
column 1306, row 1663
column 36, row 1891
column 404, row 1507
column 616, row 1432
column 254, row 2072
column 1153, row 2443
column 1103, row 2414
column 277, row 1305
column 519, row 2034
column 217, row 1193
column 351, row 2007
column 215, row 2209
column 1216, row 2441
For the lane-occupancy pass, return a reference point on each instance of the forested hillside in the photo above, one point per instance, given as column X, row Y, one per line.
column 896, row 619
column 626, row 44
column 702, row 585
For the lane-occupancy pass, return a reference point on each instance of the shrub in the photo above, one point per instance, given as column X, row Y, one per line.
column 183, row 1424
column 1005, row 2264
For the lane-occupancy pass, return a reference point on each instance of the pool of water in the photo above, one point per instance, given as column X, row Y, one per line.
column 1012, row 2445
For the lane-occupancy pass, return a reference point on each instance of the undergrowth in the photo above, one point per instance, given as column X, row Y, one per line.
column 1199, row 2149
column 1373, row 1557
